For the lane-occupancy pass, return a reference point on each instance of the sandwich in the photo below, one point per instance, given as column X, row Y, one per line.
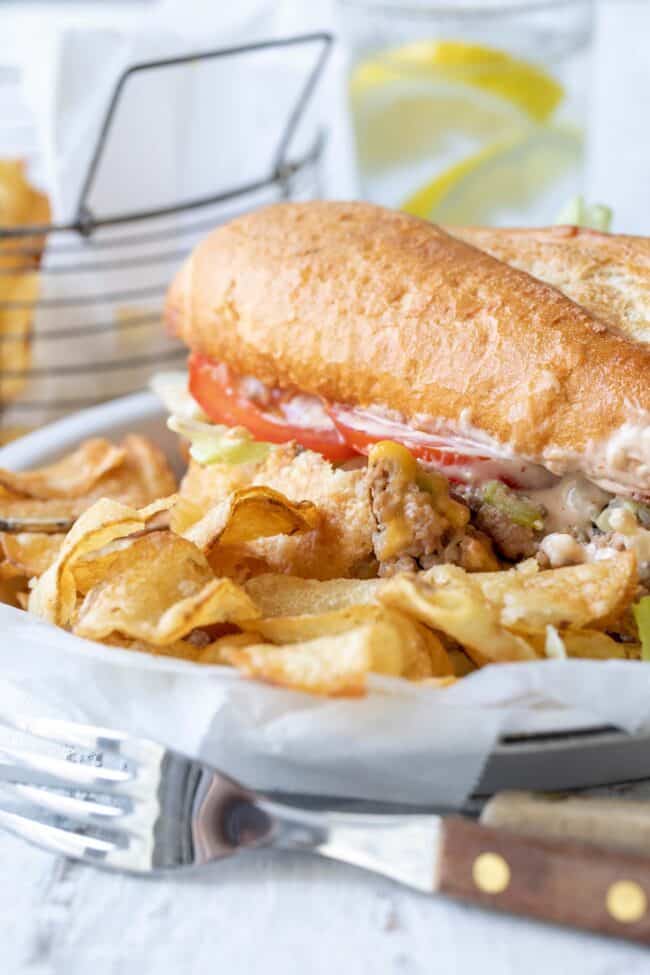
column 474, row 396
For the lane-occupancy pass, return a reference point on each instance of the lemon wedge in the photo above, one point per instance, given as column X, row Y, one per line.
column 524, row 85
column 506, row 177
column 482, row 119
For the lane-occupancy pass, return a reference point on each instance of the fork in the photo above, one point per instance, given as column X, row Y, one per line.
column 147, row 809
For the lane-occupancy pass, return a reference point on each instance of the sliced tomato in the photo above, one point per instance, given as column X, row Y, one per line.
column 218, row 391
column 225, row 397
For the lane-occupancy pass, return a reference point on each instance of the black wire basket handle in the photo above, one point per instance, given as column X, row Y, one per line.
column 281, row 167
column 85, row 222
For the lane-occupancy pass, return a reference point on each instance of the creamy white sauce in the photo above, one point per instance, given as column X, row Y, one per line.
column 622, row 462
column 571, row 503
column 307, row 411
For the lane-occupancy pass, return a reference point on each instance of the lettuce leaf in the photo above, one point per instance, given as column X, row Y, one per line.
column 595, row 216
column 211, row 443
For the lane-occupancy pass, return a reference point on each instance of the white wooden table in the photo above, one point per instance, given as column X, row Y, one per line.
column 293, row 914
column 271, row 913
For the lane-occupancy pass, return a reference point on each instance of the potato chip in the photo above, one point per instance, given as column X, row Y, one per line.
column 184, row 514
column 218, row 651
column 278, row 595
column 30, row 510
column 455, row 605
column 159, row 589
column 54, row 596
column 142, row 477
column 591, row 594
column 461, row 664
column 430, row 658
column 147, row 474
column 30, row 552
column 250, row 513
column 596, row 645
column 91, row 568
column 72, row 476
column 298, row 629
column 12, row 588
column 438, row 682
column 20, row 204
column 424, row 654
column 180, row 649
column 335, row 665
column 9, row 571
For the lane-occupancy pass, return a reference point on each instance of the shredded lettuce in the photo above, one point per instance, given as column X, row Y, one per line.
column 595, row 216
column 214, row 444
column 642, row 617
column 521, row 511
column 210, row 443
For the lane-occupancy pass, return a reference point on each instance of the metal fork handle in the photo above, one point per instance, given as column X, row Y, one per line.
column 400, row 847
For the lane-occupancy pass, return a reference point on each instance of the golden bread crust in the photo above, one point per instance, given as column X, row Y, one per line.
column 372, row 307
column 608, row 274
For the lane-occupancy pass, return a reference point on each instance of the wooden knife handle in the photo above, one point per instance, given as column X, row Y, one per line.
column 562, row 881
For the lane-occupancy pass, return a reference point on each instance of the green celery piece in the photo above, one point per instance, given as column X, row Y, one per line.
column 577, row 213
column 519, row 510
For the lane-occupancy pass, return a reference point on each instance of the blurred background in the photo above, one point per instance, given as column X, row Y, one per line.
column 125, row 136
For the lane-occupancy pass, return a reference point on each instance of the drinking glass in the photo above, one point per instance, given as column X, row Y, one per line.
column 469, row 112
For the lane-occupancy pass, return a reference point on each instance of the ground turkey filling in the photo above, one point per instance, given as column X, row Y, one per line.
column 420, row 522
column 418, row 526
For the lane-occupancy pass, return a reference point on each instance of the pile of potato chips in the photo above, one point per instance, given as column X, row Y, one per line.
column 101, row 544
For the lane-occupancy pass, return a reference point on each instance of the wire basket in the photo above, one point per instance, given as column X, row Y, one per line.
column 83, row 321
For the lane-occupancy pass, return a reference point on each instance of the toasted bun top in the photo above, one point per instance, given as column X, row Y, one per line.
column 371, row 307
column 608, row 274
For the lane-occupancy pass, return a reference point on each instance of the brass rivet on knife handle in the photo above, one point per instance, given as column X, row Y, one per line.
column 491, row 873
column 626, row 901
column 551, row 879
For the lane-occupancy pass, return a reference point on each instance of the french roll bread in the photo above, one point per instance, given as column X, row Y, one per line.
column 608, row 274
column 375, row 308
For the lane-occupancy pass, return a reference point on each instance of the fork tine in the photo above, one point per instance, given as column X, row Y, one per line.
column 57, row 840
column 68, row 732
column 92, row 737
column 69, row 774
column 82, row 810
